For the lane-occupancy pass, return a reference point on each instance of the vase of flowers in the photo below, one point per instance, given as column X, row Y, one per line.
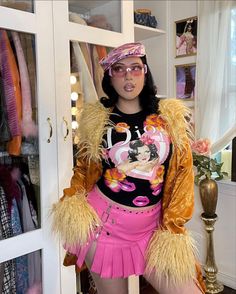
column 208, row 171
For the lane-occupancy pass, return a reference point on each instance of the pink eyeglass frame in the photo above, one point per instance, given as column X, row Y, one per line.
column 128, row 68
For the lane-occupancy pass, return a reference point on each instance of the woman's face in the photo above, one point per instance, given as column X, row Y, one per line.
column 144, row 154
column 128, row 77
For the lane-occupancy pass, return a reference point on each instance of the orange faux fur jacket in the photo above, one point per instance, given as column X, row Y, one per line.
column 171, row 250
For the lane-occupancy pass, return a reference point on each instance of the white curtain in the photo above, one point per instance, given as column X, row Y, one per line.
column 216, row 99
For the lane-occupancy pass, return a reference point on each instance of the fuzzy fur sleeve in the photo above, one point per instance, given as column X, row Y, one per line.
column 73, row 218
column 178, row 197
column 172, row 252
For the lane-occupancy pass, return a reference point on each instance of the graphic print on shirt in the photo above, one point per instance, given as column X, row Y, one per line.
column 141, row 158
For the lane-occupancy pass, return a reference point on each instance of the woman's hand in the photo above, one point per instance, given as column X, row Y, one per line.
column 147, row 166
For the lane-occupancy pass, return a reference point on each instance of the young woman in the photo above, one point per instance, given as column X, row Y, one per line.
column 132, row 189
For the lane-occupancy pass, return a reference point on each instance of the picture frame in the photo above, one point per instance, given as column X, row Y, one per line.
column 186, row 37
column 185, row 81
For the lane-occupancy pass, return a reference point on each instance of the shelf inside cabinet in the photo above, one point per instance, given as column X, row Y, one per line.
column 87, row 5
column 144, row 32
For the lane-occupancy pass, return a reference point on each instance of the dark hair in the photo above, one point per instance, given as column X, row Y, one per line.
column 148, row 100
column 133, row 152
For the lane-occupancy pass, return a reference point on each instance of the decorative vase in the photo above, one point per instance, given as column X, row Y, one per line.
column 209, row 195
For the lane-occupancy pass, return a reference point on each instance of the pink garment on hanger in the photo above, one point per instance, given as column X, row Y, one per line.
column 28, row 126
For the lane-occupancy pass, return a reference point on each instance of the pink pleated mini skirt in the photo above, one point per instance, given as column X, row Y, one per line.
column 122, row 238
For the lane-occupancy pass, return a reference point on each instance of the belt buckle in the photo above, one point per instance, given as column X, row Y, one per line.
column 104, row 217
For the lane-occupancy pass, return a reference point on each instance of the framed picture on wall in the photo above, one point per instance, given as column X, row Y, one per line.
column 185, row 81
column 186, row 37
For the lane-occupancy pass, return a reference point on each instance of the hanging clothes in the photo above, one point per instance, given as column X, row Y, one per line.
column 28, row 126
column 12, row 90
column 30, row 192
column 5, row 134
column 1, row 264
column 34, row 258
column 98, row 72
column 9, row 186
column 102, row 51
column 8, row 283
column 21, row 262
column 74, row 17
column 90, row 94
column 28, row 45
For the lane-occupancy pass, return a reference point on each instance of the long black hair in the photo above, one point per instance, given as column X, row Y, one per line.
column 148, row 100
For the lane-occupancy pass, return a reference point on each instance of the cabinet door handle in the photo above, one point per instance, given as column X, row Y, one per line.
column 67, row 128
column 50, row 126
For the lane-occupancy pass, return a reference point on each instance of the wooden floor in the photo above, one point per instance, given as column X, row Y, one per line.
column 145, row 288
column 150, row 290
column 229, row 291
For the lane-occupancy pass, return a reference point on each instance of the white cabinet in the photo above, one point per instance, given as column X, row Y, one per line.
column 39, row 26
column 66, row 31
column 49, row 23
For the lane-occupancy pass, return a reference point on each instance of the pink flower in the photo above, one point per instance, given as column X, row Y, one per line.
column 146, row 139
column 202, row 147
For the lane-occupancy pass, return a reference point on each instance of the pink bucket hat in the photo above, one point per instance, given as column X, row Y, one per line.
column 121, row 52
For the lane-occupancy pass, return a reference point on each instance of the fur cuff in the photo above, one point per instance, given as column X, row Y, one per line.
column 171, row 256
column 74, row 220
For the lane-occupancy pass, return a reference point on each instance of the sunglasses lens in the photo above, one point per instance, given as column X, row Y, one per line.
column 120, row 71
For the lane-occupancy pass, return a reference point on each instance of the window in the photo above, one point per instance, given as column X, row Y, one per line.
column 233, row 52
column 233, row 83
column 226, row 155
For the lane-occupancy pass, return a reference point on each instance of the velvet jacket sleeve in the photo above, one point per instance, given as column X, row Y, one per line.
column 85, row 175
column 178, row 202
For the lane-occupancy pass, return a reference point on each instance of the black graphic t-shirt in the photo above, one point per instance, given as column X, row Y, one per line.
column 135, row 159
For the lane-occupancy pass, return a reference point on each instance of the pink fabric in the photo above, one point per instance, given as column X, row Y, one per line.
column 29, row 127
column 35, row 289
column 121, row 52
column 122, row 239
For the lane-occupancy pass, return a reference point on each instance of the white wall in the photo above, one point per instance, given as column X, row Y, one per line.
column 225, row 227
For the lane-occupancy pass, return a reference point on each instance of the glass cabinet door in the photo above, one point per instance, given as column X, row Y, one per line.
column 28, row 159
column 22, row 274
column 100, row 14
column 74, row 38
column 20, row 203
column 85, row 80
column 19, row 149
column 24, row 5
